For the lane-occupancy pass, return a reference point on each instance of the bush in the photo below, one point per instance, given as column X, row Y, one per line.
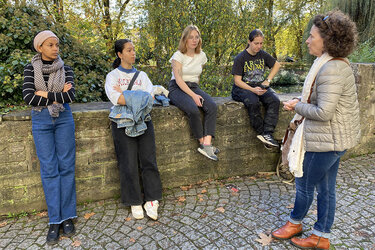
column 365, row 52
column 18, row 26
column 287, row 78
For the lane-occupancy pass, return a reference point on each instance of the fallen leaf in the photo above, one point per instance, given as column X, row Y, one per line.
column 63, row 237
column 3, row 224
column 290, row 206
column 42, row 214
column 204, row 215
column 264, row 239
column 139, row 228
column 186, row 188
column 201, row 199
column 235, row 194
column 128, row 218
column 252, row 178
column 220, row 209
column 181, row 199
column 200, row 196
column 88, row 215
column 204, row 191
column 76, row 243
column 132, row 240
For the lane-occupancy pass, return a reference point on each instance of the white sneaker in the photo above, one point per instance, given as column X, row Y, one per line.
column 137, row 212
column 151, row 208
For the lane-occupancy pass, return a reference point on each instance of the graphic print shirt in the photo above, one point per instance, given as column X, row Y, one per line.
column 252, row 68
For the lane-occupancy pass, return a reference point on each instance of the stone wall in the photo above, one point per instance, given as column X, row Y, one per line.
column 178, row 160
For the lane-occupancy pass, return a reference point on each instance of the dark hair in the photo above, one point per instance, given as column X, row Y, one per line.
column 338, row 31
column 253, row 34
column 119, row 47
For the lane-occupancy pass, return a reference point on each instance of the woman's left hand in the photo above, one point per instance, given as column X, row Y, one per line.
column 117, row 88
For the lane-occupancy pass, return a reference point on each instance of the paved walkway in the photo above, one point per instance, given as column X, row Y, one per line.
column 211, row 216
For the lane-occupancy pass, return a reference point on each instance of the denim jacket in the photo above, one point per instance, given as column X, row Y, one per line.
column 134, row 114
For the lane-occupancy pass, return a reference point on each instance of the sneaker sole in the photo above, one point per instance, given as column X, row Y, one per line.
column 152, row 217
column 266, row 142
column 69, row 234
column 205, row 154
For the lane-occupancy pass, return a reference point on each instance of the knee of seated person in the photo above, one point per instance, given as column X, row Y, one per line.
column 250, row 103
column 193, row 112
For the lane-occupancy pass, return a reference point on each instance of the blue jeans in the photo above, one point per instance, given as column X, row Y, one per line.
column 319, row 171
column 55, row 147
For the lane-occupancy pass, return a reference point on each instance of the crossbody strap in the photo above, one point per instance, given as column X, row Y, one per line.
column 133, row 80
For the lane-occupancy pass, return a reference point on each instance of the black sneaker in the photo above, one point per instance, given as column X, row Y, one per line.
column 68, row 228
column 53, row 234
column 268, row 139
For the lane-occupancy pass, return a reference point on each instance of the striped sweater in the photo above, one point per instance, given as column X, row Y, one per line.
column 28, row 91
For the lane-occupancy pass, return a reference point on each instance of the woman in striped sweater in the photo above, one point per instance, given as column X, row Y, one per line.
column 48, row 87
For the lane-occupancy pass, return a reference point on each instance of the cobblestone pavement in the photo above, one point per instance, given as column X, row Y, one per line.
column 211, row 216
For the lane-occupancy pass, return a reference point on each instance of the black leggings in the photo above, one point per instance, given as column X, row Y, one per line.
column 184, row 102
column 252, row 103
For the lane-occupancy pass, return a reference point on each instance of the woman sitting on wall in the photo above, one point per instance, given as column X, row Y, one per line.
column 184, row 91
column 48, row 87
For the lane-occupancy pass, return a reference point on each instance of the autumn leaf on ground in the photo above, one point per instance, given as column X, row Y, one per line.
column 186, row 188
column 204, row 191
column 128, row 218
column 181, row 199
column 201, row 200
column 264, row 239
column 3, row 224
column 76, row 243
column 132, row 240
column 204, row 215
column 220, row 209
column 290, row 206
column 42, row 214
column 200, row 196
column 88, row 215
column 252, row 178
column 139, row 228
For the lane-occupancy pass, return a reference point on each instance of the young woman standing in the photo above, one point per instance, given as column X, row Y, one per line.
column 184, row 91
column 133, row 153
column 48, row 87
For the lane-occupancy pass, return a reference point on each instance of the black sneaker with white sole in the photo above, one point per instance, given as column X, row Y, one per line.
column 268, row 139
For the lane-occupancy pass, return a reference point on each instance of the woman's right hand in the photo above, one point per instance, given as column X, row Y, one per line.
column 258, row 91
column 198, row 100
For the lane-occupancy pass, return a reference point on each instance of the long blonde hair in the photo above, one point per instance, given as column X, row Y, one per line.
column 185, row 35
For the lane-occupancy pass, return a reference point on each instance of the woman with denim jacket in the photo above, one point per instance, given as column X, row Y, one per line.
column 184, row 91
column 133, row 153
column 329, row 105
column 48, row 87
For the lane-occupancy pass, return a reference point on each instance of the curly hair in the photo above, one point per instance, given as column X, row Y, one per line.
column 338, row 31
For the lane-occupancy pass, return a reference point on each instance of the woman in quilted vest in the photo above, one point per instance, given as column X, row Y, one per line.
column 330, row 112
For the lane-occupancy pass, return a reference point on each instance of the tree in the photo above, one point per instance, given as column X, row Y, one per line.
column 362, row 13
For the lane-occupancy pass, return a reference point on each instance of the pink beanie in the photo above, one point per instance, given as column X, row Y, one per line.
column 41, row 37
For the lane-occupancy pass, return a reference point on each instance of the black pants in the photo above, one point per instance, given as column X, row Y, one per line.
column 252, row 103
column 134, row 152
column 184, row 102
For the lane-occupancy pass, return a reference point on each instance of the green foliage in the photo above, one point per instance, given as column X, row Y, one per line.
column 365, row 52
column 287, row 78
column 18, row 26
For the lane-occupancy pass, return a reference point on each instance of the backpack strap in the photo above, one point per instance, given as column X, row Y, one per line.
column 133, row 80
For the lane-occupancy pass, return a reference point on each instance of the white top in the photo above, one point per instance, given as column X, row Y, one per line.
column 191, row 66
column 121, row 78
